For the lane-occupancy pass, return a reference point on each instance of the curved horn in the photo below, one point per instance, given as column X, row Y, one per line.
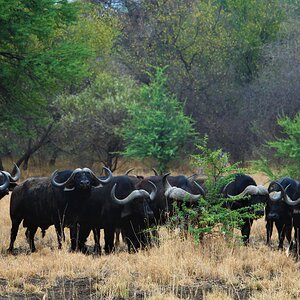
column 97, row 181
column 17, row 175
column 109, row 176
column 6, row 182
column 166, row 183
column 178, row 193
column 133, row 195
column 192, row 177
column 155, row 172
column 286, row 198
column 154, row 190
column 61, row 184
column 249, row 190
column 181, row 195
column 224, row 191
column 262, row 190
column 202, row 192
column 128, row 171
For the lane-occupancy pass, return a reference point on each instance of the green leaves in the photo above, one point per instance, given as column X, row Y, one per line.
column 288, row 147
column 157, row 127
column 286, row 155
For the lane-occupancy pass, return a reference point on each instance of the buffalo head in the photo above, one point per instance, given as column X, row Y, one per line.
column 79, row 179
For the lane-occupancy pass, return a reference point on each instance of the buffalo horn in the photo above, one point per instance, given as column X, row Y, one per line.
column 6, row 182
column 224, row 191
column 97, row 179
column 178, row 193
column 133, row 195
column 249, row 190
column 286, row 198
column 128, row 171
column 109, row 176
column 154, row 190
column 17, row 175
column 202, row 192
column 262, row 190
column 155, row 172
column 61, row 184
column 252, row 190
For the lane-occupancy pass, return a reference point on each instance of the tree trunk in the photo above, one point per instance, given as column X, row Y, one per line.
column 31, row 149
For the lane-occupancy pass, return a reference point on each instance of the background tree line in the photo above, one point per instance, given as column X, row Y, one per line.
column 73, row 73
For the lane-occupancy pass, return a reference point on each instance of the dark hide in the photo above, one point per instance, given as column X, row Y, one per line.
column 102, row 213
column 281, row 214
column 38, row 203
column 161, row 206
column 292, row 189
column 241, row 181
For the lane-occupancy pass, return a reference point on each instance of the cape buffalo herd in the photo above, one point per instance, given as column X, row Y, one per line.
column 135, row 205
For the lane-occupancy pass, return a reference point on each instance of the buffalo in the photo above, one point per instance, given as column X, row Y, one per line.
column 162, row 205
column 251, row 194
column 56, row 200
column 117, row 205
column 279, row 212
column 163, row 201
column 288, row 190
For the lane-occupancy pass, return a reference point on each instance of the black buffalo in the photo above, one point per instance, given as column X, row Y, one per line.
column 117, row 205
column 244, row 186
column 162, row 205
column 279, row 212
column 56, row 200
column 288, row 190
column 8, row 181
column 173, row 188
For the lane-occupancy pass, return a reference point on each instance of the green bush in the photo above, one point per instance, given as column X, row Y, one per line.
column 211, row 216
column 157, row 127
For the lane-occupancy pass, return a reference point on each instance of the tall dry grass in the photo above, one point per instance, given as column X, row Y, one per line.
column 177, row 269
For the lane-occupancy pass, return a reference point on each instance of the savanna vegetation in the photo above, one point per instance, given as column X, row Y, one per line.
column 160, row 83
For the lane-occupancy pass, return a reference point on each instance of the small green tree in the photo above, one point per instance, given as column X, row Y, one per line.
column 211, row 215
column 157, row 127
column 286, row 148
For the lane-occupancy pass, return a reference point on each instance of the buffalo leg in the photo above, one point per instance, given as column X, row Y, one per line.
column 281, row 234
column 84, row 232
column 74, row 234
column 269, row 229
column 14, row 233
column 97, row 248
column 30, row 233
column 109, row 240
column 245, row 230
column 288, row 234
column 59, row 234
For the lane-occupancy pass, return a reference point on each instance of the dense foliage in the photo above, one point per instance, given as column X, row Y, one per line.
column 286, row 151
column 93, row 118
column 211, row 214
column 232, row 65
column 157, row 127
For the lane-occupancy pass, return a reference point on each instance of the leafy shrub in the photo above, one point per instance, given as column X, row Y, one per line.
column 211, row 215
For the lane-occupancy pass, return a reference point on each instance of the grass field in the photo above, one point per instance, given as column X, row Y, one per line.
column 178, row 269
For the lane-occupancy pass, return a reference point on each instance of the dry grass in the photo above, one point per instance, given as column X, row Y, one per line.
column 178, row 269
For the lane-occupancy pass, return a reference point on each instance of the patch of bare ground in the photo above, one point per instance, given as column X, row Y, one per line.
column 217, row 268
